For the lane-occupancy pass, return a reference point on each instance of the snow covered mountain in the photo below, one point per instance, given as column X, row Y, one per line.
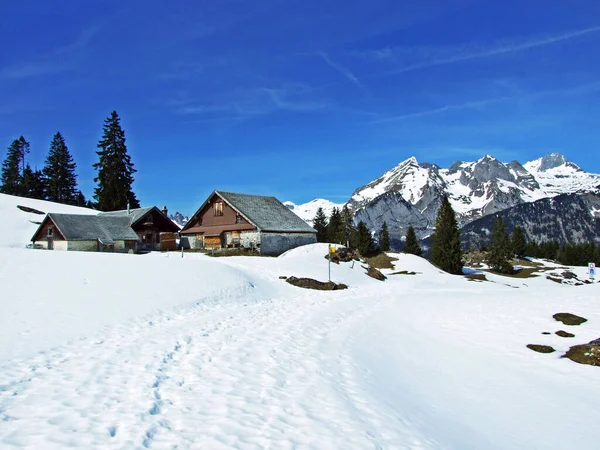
column 410, row 193
column 307, row 211
column 179, row 219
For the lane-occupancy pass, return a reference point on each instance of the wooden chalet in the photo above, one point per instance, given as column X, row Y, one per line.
column 227, row 220
column 141, row 229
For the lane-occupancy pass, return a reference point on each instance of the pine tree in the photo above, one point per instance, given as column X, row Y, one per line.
column 320, row 224
column 364, row 240
column 14, row 166
column 412, row 245
column 347, row 228
column 384, row 238
column 38, row 188
column 61, row 181
column 115, row 169
column 445, row 250
column 499, row 254
column 334, row 226
column 517, row 241
column 27, row 181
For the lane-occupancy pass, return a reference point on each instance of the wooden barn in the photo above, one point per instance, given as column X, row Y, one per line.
column 228, row 220
column 142, row 229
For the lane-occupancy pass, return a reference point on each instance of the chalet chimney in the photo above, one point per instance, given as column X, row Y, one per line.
column 165, row 211
column 128, row 209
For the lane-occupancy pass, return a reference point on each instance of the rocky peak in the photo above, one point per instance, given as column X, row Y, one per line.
column 552, row 161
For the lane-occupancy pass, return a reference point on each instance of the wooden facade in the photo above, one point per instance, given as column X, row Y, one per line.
column 218, row 225
column 48, row 235
column 152, row 228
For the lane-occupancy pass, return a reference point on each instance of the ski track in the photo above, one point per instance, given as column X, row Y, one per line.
column 260, row 374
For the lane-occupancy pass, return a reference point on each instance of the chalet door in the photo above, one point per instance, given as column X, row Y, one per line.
column 50, row 243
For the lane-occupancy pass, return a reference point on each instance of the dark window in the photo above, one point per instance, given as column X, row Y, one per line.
column 50, row 231
column 219, row 209
column 238, row 218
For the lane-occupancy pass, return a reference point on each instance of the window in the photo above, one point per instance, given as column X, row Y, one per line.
column 238, row 219
column 218, row 208
column 50, row 231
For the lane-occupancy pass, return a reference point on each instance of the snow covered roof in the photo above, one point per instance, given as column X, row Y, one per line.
column 267, row 213
column 79, row 227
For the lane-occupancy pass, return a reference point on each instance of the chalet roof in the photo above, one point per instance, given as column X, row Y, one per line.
column 133, row 214
column 267, row 213
column 106, row 228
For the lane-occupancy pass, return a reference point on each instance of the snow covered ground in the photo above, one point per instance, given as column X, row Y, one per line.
column 158, row 351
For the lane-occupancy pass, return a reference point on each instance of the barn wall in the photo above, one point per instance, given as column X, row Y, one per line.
column 58, row 245
column 190, row 241
column 250, row 239
column 42, row 235
column 275, row 244
column 208, row 218
column 82, row 246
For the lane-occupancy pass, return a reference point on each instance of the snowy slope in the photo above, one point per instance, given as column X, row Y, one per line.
column 159, row 351
column 308, row 211
column 17, row 226
column 230, row 356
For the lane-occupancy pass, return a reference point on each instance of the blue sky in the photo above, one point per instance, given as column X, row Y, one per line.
column 299, row 99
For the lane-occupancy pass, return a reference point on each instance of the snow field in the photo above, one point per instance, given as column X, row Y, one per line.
column 157, row 351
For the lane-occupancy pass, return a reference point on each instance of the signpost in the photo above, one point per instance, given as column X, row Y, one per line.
column 331, row 251
column 592, row 270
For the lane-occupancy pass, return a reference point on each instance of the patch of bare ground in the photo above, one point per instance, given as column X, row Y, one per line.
column 585, row 354
column 405, row 272
column 569, row 319
column 540, row 348
column 309, row 283
column 381, row 261
column 479, row 277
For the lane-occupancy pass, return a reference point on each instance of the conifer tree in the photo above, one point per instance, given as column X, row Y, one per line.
column 115, row 169
column 500, row 249
column 13, row 167
column 384, row 238
column 61, row 180
column 364, row 240
column 518, row 243
column 445, row 250
column 412, row 245
column 347, row 229
column 334, row 226
column 32, row 184
column 320, row 224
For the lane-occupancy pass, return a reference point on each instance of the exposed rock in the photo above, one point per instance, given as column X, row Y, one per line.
column 585, row 354
column 283, row 277
column 540, row 348
column 375, row 273
column 569, row 319
column 564, row 334
column 309, row 283
column 546, row 332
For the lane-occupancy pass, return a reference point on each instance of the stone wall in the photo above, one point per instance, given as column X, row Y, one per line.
column 83, row 246
column 250, row 239
column 275, row 244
